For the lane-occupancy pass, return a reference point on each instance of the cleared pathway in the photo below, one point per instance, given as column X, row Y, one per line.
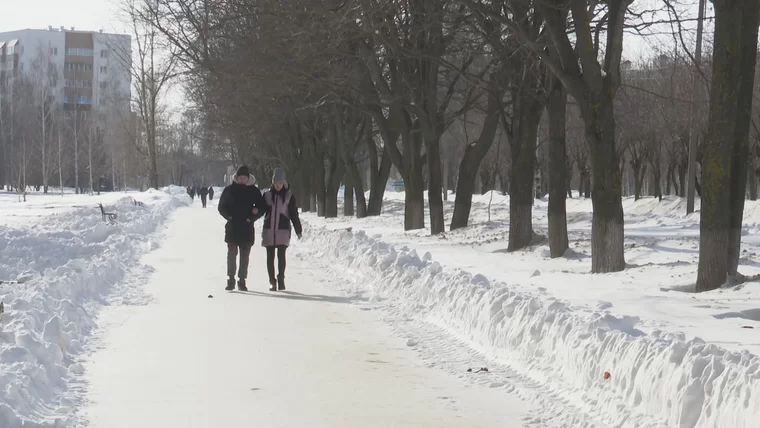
column 305, row 358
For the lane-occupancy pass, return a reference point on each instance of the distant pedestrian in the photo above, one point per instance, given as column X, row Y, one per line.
column 281, row 212
column 204, row 192
column 210, row 193
column 241, row 204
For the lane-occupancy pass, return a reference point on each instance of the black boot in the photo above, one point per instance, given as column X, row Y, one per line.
column 273, row 284
column 241, row 285
column 230, row 284
column 281, row 282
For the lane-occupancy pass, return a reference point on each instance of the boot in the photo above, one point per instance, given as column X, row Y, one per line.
column 230, row 284
column 241, row 285
column 273, row 284
column 281, row 282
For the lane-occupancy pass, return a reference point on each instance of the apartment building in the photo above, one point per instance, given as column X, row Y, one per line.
column 93, row 67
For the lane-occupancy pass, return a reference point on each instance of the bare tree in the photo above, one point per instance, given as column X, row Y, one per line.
column 152, row 72
column 45, row 79
column 725, row 164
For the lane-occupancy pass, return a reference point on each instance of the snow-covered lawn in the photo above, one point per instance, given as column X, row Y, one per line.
column 165, row 354
column 676, row 358
column 59, row 264
column 39, row 205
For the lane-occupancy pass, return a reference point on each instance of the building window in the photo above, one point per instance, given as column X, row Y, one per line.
column 78, row 83
column 79, row 51
column 77, row 67
column 84, row 99
column 102, row 117
column 54, row 51
column 104, row 53
column 103, row 85
column 103, row 69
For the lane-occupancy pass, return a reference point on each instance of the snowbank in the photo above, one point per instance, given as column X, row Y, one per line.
column 56, row 275
column 657, row 378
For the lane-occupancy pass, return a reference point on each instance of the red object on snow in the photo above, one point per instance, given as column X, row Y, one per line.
column 607, row 375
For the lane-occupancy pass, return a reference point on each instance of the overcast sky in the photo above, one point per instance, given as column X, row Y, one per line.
column 90, row 15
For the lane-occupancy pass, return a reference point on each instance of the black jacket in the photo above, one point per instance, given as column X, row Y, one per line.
column 236, row 206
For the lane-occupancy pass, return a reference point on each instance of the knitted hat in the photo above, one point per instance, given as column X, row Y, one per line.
column 279, row 175
column 243, row 171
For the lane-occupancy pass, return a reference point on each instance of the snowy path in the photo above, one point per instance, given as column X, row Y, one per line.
column 308, row 357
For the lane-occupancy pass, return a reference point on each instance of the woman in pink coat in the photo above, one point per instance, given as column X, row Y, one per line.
column 282, row 211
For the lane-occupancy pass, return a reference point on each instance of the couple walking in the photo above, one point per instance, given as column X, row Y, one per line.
column 241, row 204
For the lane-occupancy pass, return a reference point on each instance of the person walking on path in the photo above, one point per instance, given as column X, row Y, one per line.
column 281, row 212
column 204, row 192
column 210, row 193
column 241, row 204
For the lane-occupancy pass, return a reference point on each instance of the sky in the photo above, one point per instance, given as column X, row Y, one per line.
column 82, row 14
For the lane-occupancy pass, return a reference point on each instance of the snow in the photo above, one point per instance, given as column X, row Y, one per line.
column 305, row 357
column 39, row 205
column 675, row 358
column 128, row 324
column 59, row 265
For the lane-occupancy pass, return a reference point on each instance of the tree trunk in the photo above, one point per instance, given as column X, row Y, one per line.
column 682, row 181
column 89, row 155
column 60, row 163
column 44, row 148
column 752, row 176
column 471, row 160
column 657, row 185
column 320, row 191
column 76, row 148
column 749, row 16
column 435, row 185
column 523, row 145
column 414, row 201
column 334, row 177
column 724, row 165
column 414, row 182
column 446, row 179
column 378, row 183
column 354, row 177
column 348, row 196
column 331, row 203
column 669, row 180
column 607, row 225
column 558, row 176
column 305, row 176
column 638, row 178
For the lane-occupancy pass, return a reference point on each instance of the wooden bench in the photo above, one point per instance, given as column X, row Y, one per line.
column 107, row 217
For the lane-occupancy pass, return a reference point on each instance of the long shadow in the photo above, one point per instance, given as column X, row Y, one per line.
column 291, row 295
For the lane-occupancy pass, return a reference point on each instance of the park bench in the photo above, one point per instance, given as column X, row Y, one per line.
column 107, row 217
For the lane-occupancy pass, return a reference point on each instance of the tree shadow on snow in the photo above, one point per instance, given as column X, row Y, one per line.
column 292, row 295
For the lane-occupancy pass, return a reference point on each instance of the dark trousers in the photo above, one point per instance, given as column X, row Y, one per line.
column 203, row 201
column 232, row 252
column 280, row 261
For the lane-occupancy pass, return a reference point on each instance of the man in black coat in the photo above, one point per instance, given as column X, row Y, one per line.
column 241, row 204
